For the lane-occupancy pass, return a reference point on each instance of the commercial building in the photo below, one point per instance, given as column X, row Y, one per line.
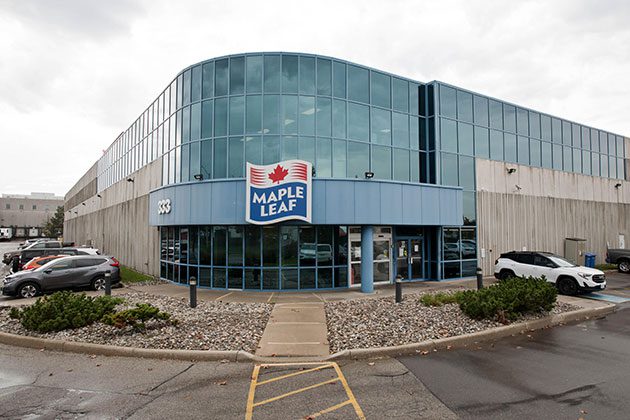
column 423, row 181
column 26, row 214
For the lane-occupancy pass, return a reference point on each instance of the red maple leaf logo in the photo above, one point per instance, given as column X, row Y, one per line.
column 278, row 174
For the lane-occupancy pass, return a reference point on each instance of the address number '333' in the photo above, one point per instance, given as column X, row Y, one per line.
column 164, row 206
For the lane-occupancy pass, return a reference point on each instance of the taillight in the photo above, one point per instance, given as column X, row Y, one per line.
column 115, row 262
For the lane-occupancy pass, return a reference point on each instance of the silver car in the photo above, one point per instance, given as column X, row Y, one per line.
column 74, row 272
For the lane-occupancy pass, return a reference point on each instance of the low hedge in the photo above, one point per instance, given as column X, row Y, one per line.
column 508, row 299
column 63, row 310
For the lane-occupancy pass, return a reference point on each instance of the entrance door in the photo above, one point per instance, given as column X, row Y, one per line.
column 381, row 257
column 409, row 259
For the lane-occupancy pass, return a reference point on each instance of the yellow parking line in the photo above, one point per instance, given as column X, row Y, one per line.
column 294, row 374
column 297, row 391
column 252, row 390
column 355, row 404
column 329, row 409
column 222, row 296
column 270, row 297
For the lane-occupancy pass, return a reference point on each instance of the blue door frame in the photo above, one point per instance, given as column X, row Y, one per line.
column 409, row 256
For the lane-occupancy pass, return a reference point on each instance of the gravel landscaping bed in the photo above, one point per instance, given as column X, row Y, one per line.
column 210, row 326
column 365, row 323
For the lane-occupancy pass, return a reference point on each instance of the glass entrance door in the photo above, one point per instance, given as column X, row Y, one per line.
column 409, row 257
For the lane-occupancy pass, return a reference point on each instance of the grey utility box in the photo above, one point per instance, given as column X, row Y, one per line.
column 574, row 250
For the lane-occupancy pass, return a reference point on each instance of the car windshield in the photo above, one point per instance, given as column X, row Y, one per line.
column 561, row 262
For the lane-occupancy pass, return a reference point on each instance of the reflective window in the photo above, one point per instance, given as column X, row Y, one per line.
column 509, row 141
column 595, row 164
column 534, row 125
column 577, row 160
column 448, row 101
column 220, row 158
column 339, row 79
column 306, row 149
column 194, row 159
column 324, row 158
column 523, row 150
column 400, row 129
column 496, row 145
column 208, row 80
column 465, row 138
column 358, row 86
column 451, row 244
column 556, row 130
column 271, row 149
column 195, row 121
column 324, row 116
column 195, row 90
column 185, row 166
column 254, row 65
column 289, row 74
column 339, row 118
column 186, row 125
column 252, row 246
column 568, row 158
column 522, row 121
column 307, row 75
column 253, row 116
column 449, row 169
column 557, row 156
column 307, row 115
column 358, row 159
column 289, row 114
column 470, row 218
column 467, row 172
column 482, row 142
column 401, row 164
column 586, row 138
column 414, row 100
column 509, row 118
column 448, row 135
column 186, row 88
column 358, row 122
column 289, row 147
column 237, row 114
column 546, row 155
column 271, row 114
column 207, row 110
column 575, row 135
column 400, row 95
column 339, row 159
column 272, row 73
column 206, row 159
column 603, row 165
column 481, row 110
column 534, row 153
column 464, row 106
column 380, row 88
column 324, row 77
column 253, row 149
column 220, row 117
column 566, row 133
column 381, row 162
column 221, row 77
column 545, row 127
column 496, row 114
column 586, row 162
column 381, row 126
column 219, row 235
column 594, row 140
column 235, row 157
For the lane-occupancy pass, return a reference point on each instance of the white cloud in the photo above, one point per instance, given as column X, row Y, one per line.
column 75, row 73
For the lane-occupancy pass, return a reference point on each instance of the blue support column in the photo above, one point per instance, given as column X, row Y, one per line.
column 367, row 259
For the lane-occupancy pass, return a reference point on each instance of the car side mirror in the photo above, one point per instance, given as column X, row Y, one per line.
column 48, row 271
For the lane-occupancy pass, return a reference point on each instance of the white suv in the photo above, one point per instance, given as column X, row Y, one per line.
column 568, row 277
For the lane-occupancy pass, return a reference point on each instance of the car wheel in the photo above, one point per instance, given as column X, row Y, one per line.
column 28, row 290
column 98, row 283
column 506, row 274
column 567, row 286
column 624, row 266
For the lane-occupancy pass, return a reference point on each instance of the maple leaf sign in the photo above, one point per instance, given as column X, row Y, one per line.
column 278, row 174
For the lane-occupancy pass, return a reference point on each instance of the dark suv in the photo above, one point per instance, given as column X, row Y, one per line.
column 71, row 272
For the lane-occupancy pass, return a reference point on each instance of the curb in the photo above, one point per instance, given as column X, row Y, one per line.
column 477, row 337
column 364, row 353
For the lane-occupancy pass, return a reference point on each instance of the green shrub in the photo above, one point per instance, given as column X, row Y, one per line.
column 63, row 310
column 136, row 317
column 508, row 299
column 439, row 299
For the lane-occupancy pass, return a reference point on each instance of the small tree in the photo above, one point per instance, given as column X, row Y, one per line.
column 54, row 227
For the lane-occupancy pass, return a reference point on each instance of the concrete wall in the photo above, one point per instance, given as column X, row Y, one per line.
column 118, row 222
column 27, row 217
column 537, row 209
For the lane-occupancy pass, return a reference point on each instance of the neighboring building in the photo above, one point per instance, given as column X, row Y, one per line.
column 422, row 181
column 27, row 214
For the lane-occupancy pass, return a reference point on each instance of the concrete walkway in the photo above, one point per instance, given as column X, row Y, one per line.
column 295, row 329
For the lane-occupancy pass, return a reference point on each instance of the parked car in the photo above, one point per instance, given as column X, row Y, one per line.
column 72, row 272
column 621, row 257
column 568, row 277
column 29, row 254
column 39, row 261
column 89, row 250
column 32, row 241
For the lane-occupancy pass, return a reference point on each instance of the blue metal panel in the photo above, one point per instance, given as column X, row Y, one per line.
column 367, row 259
column 335, row 202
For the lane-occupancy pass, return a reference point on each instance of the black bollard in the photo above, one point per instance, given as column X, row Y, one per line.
column 398, row 290
column 479, row 278
column 108, row 283
column 192, row 283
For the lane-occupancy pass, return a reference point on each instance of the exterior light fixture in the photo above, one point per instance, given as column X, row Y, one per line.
column 76, row 212
column 129, row 179
column 83, row 204
column 518, row 187
column 618, row 185
column 511, row 170
column 99, row 196
column 369, row 175
column 198, row 177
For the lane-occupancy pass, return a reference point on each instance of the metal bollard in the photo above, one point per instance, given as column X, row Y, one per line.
column 398, row 290
column 479, row 278
column 108, row 283
column 192, row 283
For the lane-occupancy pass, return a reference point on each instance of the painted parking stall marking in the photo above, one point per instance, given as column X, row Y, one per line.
column 317, row 388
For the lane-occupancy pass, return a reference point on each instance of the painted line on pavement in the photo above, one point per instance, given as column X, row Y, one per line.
column 607, row 298
column 222, row 296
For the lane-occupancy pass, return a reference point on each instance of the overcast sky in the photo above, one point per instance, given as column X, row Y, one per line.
column 76, row 73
